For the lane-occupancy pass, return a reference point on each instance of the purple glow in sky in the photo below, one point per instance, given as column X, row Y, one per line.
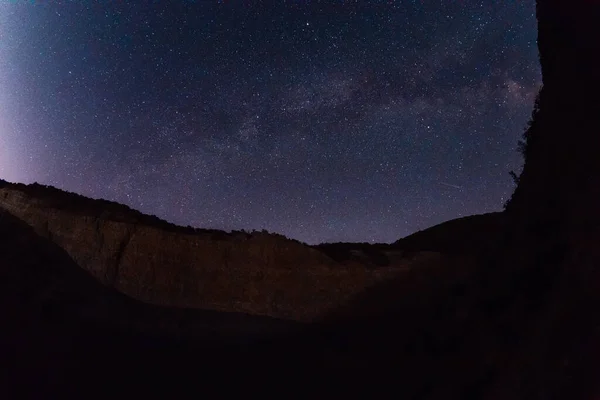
column 335, row 121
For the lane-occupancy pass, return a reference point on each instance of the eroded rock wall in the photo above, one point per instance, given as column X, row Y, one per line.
column 258, row 274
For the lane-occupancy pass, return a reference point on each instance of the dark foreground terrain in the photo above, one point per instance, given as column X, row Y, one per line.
column 453, row 332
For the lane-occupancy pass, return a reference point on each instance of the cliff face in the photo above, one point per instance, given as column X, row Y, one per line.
column 62, row 332
column 555, row 213
column 253, row 273
column 560, row 183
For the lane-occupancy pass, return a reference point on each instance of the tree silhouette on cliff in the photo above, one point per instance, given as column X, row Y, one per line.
column 524, row 144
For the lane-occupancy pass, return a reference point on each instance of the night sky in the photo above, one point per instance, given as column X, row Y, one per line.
column 323, row 121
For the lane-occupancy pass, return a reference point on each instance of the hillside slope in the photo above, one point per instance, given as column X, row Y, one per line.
column 466, row 235
column 160, row 263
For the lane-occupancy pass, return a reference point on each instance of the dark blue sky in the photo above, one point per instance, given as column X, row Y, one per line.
column 323, row 121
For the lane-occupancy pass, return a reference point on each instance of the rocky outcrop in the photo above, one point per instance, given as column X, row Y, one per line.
column 560, row 182
column 163, row 264
column 38, row 276
column 62, row 332
column 554, row 215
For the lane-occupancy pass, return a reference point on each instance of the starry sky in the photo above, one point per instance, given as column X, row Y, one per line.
column 321, row 120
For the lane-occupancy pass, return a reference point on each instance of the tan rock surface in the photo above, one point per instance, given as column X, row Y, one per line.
column 257, row 273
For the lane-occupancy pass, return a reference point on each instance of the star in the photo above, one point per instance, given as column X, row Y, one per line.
column 323, row 122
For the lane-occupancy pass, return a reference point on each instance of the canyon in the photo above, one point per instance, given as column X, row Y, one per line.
column 98, row 297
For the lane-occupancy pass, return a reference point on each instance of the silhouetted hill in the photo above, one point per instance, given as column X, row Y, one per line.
column 462, row 235
column 75, row 203
column 467, row 236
